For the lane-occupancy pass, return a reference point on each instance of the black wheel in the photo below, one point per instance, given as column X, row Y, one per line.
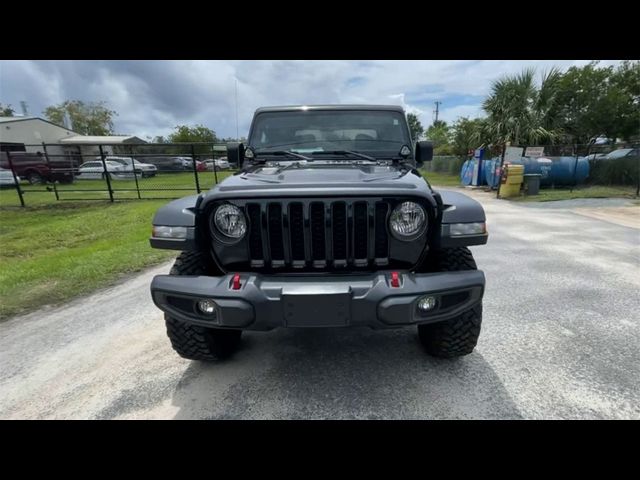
column 458, row 336
column 34, row 178
column 191, row 341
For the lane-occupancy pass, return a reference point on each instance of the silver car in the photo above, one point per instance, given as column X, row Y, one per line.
column 95, row 170
column 6, row 179
column 131, row 164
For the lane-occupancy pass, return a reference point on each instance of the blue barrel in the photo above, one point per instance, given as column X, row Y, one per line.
column 556, row 170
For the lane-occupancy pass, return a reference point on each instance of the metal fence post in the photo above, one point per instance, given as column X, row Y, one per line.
column 504, row 151
column 133, row 165
column 106, row 173
column 575, row 169
column 46, row 156
column 195, row 169
column 215, row 170
column 15, row 179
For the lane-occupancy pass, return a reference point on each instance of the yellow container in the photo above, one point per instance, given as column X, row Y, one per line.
column 514, row 176
column 509, row 190
column 514, row 179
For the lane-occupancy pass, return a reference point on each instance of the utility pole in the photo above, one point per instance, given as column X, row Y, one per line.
column 437, row 110
column 237, row 131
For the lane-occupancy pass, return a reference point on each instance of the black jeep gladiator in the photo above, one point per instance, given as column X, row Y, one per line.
column 327, row 223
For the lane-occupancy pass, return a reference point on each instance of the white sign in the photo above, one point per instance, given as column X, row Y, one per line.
column 513, row 153
column 534, row 152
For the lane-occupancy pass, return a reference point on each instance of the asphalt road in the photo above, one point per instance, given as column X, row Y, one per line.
column 560, row 339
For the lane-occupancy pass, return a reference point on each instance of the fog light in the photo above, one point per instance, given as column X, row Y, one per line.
column 426, row 303
column 208, row 307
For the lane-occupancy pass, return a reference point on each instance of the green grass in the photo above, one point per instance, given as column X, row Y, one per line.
column 592, row 191
column 50, row 254
column 164, row 185
column 440, row 179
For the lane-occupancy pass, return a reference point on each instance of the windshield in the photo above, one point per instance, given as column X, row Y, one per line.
column 377, row 133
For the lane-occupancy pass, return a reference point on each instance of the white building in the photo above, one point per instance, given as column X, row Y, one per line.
column 29, row 133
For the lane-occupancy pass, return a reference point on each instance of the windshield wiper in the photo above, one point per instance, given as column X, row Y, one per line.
column 283, row 152
column 345, row 152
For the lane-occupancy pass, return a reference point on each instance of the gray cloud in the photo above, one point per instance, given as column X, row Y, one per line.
column 152, row 96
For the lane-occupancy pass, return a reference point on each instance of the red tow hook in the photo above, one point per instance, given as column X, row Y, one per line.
column 235, row 284
column 395, row 280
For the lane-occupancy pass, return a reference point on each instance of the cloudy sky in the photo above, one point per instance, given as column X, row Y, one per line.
column 152, row 97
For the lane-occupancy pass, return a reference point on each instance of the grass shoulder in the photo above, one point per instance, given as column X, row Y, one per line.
column 589, row 191
column 53, row 253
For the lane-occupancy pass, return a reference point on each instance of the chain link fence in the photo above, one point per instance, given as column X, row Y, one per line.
column 48, row 173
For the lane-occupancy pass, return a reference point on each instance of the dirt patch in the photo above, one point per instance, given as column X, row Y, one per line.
column 625, row 216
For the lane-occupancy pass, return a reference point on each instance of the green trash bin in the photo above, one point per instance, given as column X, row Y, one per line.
column 532, row 183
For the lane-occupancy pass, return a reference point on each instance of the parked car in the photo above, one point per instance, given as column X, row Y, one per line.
column 219, row 164
column 171, row 164
column 6, row 179
column 143, row 169
column 620, row 167
column 34, row 168
column 623, row 153
column 596, row 156
column 222, row 164
column 95, row 170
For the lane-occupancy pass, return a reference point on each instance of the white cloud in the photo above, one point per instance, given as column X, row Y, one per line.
column 151, row 97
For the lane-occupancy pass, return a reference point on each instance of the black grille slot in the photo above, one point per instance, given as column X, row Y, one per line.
column 339, row 226
column 296, row 226
column 255, row 232
column 276, row 244
column 316, row 217
column 382, row 241
column 360, row 227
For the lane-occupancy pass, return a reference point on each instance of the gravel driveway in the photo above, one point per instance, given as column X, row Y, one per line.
column 560, row 339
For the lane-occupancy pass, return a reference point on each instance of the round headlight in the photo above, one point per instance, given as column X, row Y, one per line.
column 230, row 221
column 407, row 220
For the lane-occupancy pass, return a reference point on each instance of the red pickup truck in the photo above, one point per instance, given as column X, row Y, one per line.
column 33, row 167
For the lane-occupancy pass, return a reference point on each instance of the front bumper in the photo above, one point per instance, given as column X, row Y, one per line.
column 264, row 302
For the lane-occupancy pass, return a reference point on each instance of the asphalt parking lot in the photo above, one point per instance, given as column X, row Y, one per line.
column 560, row 339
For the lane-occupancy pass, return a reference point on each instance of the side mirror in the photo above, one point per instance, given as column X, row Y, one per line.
column 235, row 154
column 424, row 152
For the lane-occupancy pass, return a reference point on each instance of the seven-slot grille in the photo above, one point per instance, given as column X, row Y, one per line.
column 318, row 234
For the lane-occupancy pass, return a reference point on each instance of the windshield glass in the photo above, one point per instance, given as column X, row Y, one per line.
column 377, row 133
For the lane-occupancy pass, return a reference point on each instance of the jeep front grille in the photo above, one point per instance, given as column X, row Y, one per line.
column 318, row 234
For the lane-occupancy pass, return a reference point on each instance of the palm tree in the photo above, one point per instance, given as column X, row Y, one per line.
column 519, row 111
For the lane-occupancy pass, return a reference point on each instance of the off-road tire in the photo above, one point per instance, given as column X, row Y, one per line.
column 458, row 336
column 191, row 341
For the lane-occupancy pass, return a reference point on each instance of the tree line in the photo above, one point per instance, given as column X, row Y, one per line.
column 574, row 107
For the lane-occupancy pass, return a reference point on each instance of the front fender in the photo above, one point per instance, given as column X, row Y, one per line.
column 178, row 213
column 459, row 208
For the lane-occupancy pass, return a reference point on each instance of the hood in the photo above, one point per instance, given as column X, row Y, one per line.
column 338, row 178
